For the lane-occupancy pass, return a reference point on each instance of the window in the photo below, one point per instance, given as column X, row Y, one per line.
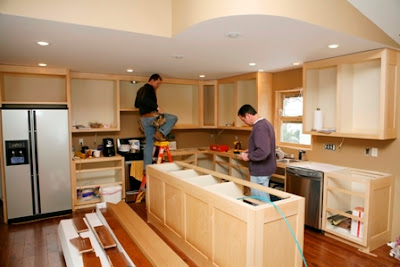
column 289, row 120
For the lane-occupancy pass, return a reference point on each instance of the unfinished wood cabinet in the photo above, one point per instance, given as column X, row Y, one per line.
column 94, row 99
column 34, row 85
column 128, row 91
column 208, row 113
column 181, row 98
column 94, row 173
column 254, row 89
column 204, row 214
column 357, row 94
column 347, row 189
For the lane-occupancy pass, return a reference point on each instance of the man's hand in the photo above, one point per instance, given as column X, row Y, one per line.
column 160, row 110
column 244, row 155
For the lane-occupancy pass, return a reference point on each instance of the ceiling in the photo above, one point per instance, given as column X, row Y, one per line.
column 272, row 42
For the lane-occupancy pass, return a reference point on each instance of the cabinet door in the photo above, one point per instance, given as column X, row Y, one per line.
column 246, row 94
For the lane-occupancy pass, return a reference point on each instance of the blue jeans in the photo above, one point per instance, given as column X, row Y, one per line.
column 149, row 131
column 261, row 180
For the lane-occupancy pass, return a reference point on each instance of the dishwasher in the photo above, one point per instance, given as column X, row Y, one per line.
column 307, row 183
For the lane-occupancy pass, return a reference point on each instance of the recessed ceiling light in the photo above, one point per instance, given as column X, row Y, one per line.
column 333, row 46
column 202, row 75
column 42, row 43
column 252, row 64
column 296, row 63
column 129, row 70
column 233, row 35
column 42, row 64
column 260, row 70
column 177, row 56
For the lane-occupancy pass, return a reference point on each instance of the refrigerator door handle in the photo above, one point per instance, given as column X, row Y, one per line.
column 31, row 150
column 37, row 184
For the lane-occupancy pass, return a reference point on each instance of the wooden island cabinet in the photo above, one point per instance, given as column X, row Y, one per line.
column 207, row 215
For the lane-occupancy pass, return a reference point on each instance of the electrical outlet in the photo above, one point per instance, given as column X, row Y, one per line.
column 81, row 141
column 330, row 147
column 212, row 136
column 236, row 138
column 374, row 152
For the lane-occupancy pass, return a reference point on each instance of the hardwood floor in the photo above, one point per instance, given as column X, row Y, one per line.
column 36, row 244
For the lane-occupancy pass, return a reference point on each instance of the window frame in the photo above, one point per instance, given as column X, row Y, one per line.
column 279, row 119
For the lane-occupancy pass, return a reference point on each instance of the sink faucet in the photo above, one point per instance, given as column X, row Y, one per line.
column 301, row 153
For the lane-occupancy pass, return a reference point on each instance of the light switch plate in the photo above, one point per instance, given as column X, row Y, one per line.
column 374, row 152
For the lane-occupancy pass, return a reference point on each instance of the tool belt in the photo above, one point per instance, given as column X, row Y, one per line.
column 150, row 114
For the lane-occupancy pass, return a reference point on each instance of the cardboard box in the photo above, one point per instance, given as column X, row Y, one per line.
column 357, row 227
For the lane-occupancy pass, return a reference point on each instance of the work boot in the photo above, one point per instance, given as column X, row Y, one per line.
column 159, row 136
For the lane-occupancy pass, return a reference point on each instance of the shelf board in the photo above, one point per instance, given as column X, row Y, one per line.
column 33, row 103
column 343, row 233
column 99, row 169
column 98, row 183
column 129, row 109
column 95, row 130
column 344, row 191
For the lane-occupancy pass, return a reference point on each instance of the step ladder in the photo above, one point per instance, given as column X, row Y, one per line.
column 163, row 146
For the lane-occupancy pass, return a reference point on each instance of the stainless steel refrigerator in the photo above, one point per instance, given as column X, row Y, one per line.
column 36, row 163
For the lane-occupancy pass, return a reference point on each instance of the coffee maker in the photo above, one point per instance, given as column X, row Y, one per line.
column 108, row 147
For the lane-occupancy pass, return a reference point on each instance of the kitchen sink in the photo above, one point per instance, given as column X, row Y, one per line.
column 287, row 160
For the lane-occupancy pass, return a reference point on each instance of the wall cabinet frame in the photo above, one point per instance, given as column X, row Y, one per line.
column 253, row 88
column 34, row 85
column 357, row 94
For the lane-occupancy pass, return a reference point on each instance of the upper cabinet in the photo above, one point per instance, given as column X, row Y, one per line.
column 254, row 89
column 356, row 93
column 34, row 85
column 128, row 90
column 181, row 98
column 94, row 103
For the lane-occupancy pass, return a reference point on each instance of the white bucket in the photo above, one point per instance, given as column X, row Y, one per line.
column 111, row 194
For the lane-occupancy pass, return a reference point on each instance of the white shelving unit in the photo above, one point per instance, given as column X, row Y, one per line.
column 96, row 173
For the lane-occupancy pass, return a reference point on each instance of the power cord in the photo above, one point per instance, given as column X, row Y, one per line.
column 286, row 221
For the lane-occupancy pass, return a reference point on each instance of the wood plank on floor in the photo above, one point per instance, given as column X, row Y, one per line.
column 104, row 237
column 155, row 249
column 82, row 244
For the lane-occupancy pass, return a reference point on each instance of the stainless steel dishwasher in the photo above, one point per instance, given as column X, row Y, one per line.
column 307, row 183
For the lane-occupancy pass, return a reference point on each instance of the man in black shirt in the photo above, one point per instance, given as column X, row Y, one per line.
column 146, row 101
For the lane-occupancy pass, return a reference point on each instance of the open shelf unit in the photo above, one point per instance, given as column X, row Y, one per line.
column 347, row 189
column 96, row 173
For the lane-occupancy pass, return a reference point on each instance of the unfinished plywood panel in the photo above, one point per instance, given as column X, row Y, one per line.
column 220, row 229
column 173, row 207
column 152, row 246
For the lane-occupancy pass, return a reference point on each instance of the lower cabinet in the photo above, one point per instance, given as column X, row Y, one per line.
column 89, row 175
column 208, row 217
column 358, row 207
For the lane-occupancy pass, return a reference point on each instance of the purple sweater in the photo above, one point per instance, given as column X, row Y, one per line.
column 262, row 149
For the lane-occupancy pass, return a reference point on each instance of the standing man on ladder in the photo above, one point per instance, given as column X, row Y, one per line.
column 146, row 101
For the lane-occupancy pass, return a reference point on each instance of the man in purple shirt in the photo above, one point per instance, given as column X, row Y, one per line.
column 261, row 151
